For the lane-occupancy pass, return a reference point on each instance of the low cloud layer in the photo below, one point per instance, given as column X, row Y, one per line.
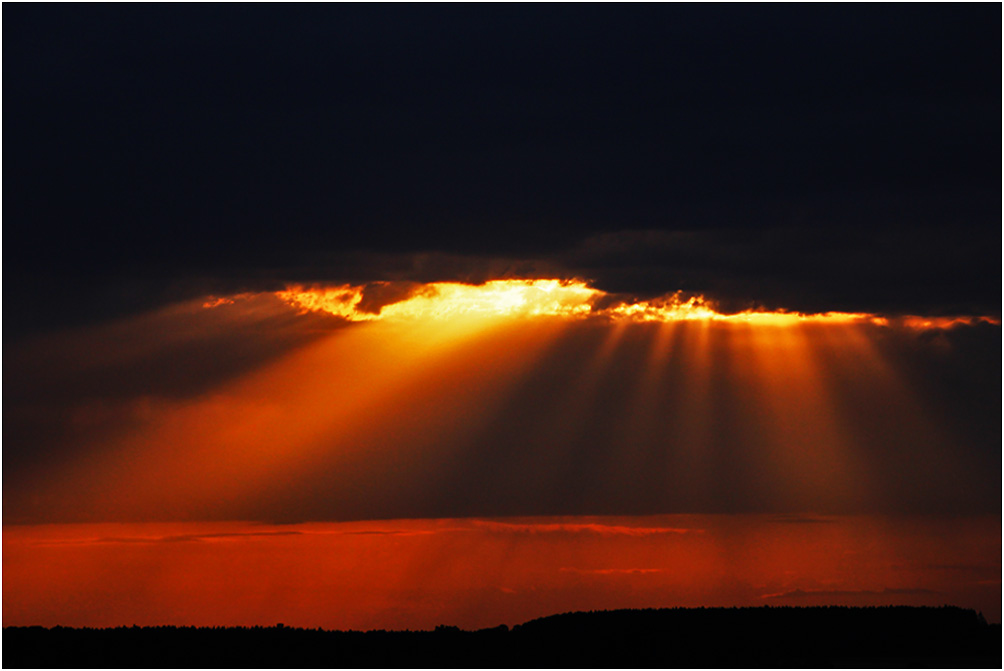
column 929, row 271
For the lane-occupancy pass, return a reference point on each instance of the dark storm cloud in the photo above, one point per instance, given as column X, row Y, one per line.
column 371, row 268
column 850, row 149
column 923, row 270
column 377, row 295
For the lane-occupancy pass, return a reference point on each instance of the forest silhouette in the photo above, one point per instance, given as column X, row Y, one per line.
column 767, row 637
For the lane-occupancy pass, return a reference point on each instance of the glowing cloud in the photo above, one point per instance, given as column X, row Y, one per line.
column 449, row 299
column 341, row 301
column 570, row 298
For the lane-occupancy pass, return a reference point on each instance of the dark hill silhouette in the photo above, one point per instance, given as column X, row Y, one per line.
column 771, row 637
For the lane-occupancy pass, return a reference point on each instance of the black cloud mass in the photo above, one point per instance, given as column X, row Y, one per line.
column 809, row 157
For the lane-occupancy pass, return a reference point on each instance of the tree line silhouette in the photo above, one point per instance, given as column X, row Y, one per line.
column 766, row 637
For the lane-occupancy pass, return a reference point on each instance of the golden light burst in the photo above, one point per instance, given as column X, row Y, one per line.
column 441, row 300
column 573, row 299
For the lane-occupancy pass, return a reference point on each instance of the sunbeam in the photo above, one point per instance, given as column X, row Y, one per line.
column 511, row 397
column 527, row 398
column 383, row 316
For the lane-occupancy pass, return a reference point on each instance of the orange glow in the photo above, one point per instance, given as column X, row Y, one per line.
column 512, row 397
column 925, row 323
column 667, row 404
column 449, row 299
column 217, row 301
column 675, row 308
column 807, row 455
column 480, row 573
column 340, row 301
column 663, row 410
column 572, row 298
column 322, row 405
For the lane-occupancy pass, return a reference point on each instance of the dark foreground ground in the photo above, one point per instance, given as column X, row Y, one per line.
column 690, row 638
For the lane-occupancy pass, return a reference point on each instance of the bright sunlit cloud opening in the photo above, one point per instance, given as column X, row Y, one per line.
column 569, row 299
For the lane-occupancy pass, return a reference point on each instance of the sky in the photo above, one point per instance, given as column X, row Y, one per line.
column 411, row 284
column 811, row 158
